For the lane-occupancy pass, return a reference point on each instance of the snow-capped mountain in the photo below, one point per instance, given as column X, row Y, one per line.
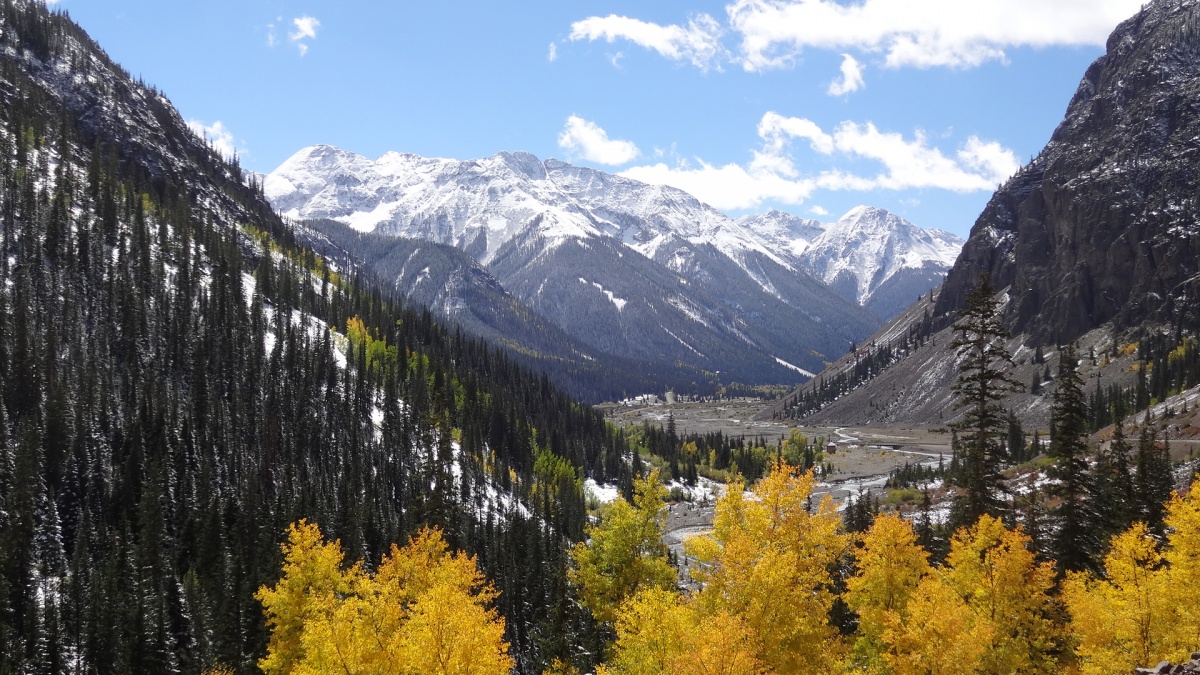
column 784, row 231
column 870, row 255
column 629, row 268
column 868, row 246
column 479, row 205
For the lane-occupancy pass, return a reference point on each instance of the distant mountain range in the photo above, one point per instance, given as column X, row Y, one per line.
column 623, row 269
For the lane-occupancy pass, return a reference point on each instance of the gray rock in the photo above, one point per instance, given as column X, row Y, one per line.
column 1102, row 225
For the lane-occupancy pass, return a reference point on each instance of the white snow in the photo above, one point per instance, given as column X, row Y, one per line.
column 501, row 197
column 798, row 369
column 605, row 494
column 619, row 302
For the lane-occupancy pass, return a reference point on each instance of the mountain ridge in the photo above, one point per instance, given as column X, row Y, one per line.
column 723, row 297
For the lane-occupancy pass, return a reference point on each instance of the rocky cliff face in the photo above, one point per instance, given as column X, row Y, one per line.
column 1103, row 225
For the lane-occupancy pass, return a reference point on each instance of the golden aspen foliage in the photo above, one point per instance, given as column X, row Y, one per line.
column 993, row 569
column 1148, row 608
column 624, row 553
column 312, row 575
column 560, row 667
column 425, row 610
column 891, row 564
column 1125, row 620
column 939, row 634
column 767, row 562
column 1183, row 557
column 660, row 632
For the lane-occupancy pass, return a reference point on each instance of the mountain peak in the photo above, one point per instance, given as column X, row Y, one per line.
column 522, row 162
column 1101, row 226
column 481, row 205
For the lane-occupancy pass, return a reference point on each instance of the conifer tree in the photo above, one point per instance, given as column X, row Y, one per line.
column 1075, row 543
column 1154, row 480
column 982, row 383
column 1111, row 488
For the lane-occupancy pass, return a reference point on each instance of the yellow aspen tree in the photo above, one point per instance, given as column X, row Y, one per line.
column 650, row 633
column 939, row 634
column 450, row 632
column 1126, row 620
column 312, row 575
column 767, row 562
column 992, row 568
column 660, row 632
column 560, row 667
column 624, row 553
column 1183, row 557
column 425, row 611
column 890, row 564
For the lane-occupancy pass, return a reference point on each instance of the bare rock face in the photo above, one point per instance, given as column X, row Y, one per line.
column 1165, row 668
column 1104, row 225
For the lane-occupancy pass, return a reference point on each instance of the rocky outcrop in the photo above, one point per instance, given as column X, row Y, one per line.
column 1103, row 225
column 1165, row 668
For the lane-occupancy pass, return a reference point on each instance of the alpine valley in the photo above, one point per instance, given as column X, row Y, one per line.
column 338, row 418
column 629, row 272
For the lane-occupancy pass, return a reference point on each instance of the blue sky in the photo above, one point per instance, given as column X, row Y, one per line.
column 810, row 106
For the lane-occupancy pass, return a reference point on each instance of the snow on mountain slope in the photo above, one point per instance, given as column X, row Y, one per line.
column 869, row 245
column 783, row 231
column 475, row 205
column 870, row 255
column 479, row 205
column 537, row 226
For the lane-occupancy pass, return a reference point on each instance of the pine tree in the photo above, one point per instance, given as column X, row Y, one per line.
column 1111, row 487
column 982, row 383
column 1075, row 544
column 1016, row 440
column 1154, row 481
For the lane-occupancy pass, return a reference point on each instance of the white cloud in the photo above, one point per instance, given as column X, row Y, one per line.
column 593, row 144
column 552, row 54
column 852, row 77
column 776, row 130
column 699, row 43
column 978, row 165
column 772, row 174
column 818, row 211
column 953, row 33
column 727, row 187
column 217, row 135
column 306, row 29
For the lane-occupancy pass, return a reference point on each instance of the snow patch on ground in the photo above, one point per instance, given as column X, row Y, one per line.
column 619, row 302
column 704, row 490
column 605, row 494
column 798, row 369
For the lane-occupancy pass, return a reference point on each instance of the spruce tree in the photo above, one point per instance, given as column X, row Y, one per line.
column 1111, row 487
column 983, row 382
column 1074, row 544
column 1154, row 479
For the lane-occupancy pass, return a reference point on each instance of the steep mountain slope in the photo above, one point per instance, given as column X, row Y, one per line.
column 1095, row 241
column 629, row 269
column 455, row 286
column 1102, row 225
column 180, row 379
